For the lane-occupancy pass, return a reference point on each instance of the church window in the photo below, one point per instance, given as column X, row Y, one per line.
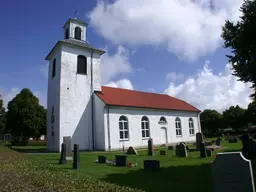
column 123, row 128
column 81, row 64
column 67, row 33
column 54, row 68
column 191, row 126
column 78, row 33
column 162, row 120
column 178, row 126
column 145, row 127
column 52, row 115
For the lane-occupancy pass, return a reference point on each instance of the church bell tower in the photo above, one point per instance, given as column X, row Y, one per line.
column 73, row 76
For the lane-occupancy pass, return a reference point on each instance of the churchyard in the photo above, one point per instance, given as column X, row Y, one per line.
column 179, row 171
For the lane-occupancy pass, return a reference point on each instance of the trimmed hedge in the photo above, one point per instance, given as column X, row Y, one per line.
column 20, row 173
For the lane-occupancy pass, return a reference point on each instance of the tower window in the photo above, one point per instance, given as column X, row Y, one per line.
column 78, row 32
column 81, row 64
column 54, row 68
column 67, row 33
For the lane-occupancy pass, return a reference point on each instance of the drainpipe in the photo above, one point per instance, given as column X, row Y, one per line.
column 108, row 128
column 199, row 122
column 92, row 91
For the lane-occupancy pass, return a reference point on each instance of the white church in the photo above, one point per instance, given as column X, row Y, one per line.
column 103, row 118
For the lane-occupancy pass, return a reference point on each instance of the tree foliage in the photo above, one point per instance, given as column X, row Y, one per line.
column 2, row 117
column 26, row 117
column 235, row 117
column 211, row 120
column 251, row 113
column 240, row 37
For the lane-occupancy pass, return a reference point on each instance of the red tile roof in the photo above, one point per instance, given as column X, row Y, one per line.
column 130, row 98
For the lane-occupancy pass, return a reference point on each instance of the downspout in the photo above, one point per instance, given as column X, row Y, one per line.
column 108, row 129
column 199, row 122
column 92, row 91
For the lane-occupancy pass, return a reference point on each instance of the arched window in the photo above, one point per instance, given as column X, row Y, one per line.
column 52, row 115
column 191, row 126
column 145, row 127
column 67, row 33
column 178, row 126
column 54, row 68
column 123, row 128
column 78, row 33
column 81, row 64
column 162, row 120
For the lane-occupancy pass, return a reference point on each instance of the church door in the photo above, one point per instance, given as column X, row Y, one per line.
column 163, row 136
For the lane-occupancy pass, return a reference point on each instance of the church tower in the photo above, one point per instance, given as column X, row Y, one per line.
column 73, row 76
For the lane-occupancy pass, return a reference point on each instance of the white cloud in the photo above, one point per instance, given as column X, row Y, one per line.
column 187, row 28
column 113, row 65
column 122, row 83
column 214, row 91
column 172, row 76
column 8, row 95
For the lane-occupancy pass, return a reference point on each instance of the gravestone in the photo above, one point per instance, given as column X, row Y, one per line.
column 188, row 148
column 218, row 141
column 183, row 150
column 202, row 150
column 235, row 140
column 199, row 139
column 102, row 159
column 170, row 147
column 162, row 152
column 231, row 139
column 121, row 160
column 177, row 150
column 151, row 165
column 232, row 172
column 63, row 154
column 150, row 147
column 131, row 151
column 67, row 141
column 76, row 162
column 208, row 152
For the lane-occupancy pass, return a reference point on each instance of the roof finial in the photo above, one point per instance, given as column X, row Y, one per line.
column 75, row 13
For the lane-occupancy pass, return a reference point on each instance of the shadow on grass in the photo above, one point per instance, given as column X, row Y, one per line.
column 179, row 178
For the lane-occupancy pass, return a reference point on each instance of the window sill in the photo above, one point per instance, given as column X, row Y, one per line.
column 123, row 140
column 145, row 138
column 81, row 73
column 178, row 135
column 192, row 135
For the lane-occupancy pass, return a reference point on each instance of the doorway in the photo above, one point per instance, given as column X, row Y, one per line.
column 163, row 136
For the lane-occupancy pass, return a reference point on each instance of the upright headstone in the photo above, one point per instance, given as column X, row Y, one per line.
column 177, row 150
column 208, row 152
column 76, row 162
column 232, row 172
column 63, row 154
column 150, row 147
column 183, row 150
column 131, row 151
column 199, row 139
column 245, row 141
column 67, row 141
column 218, row 141
column 202, row 150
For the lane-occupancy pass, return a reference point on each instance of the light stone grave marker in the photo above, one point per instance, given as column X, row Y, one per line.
column 67, row 141
column 232, row 172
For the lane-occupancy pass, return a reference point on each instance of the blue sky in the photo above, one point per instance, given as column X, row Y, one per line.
column 154, row 47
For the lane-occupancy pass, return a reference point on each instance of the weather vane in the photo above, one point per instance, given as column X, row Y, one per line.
column 75, row 13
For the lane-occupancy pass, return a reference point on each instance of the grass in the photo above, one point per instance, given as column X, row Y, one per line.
column 176, row 174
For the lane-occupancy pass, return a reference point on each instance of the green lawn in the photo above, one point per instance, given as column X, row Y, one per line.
column 176, row 174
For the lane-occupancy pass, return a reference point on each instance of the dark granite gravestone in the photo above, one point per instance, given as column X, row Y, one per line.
column 63, row 154
column 151, row 165
column 67, row 141
column 218, row 141
column 162, row 152
column 177, row 150
column 150, row 147
column 199, row 139
column 121, row 160
column 235, row 140
column 102, row 159
column 76, row 162
column 131, row 151
column 183, row 150
column 208, row 152
column 170, row 147
column 232, row 172
column 203, row 150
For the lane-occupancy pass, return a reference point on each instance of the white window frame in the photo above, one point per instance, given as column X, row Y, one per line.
column 145, row 128
column 191, row 126
column 123, row 129
column 178, row 126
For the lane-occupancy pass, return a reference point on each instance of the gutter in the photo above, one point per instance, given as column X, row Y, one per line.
column 92, row 100
column 108, row 129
